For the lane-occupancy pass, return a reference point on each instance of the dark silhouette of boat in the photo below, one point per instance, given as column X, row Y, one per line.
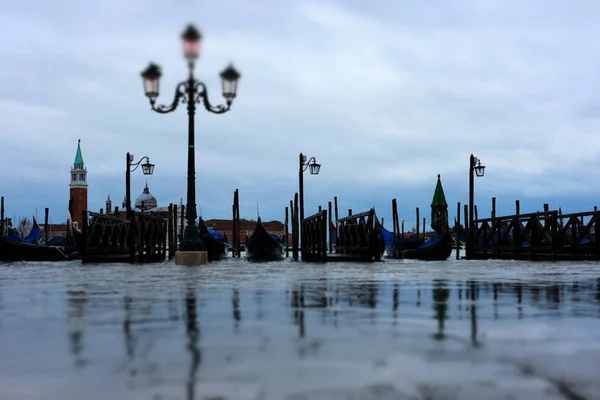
column 263, row 246
column 29, row 248
column 436, row 248
column 216, row 244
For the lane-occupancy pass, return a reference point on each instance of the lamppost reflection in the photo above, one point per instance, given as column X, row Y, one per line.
column 193, row 336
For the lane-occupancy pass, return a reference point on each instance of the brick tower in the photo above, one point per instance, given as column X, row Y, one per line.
column 78, row 187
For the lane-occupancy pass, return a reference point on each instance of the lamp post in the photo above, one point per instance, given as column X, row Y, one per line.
column 191, row 92
column 314, row 170
column 479, row 170
column 147, row 169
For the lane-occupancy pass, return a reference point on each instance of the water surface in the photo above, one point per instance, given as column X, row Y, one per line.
column 239, row 330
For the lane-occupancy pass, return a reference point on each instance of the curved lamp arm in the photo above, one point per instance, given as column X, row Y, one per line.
column 137, row 164
column 202, row 97
column 307, row 163
column 180, row 97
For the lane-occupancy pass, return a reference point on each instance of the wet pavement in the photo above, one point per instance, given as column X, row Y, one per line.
column 236, row 330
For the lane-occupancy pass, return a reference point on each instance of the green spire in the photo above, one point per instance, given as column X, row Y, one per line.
column 439, row 199
column 78, row 156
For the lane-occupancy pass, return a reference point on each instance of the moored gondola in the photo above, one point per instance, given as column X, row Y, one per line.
column 438, row 247
column 15, row 248
column 216, row 244
column 434, row 249
column 262, row 246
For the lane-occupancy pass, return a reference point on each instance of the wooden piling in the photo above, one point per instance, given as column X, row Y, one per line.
column 395, row 221
column 517, row 207
column 141, row 248
column 554, row 232
column 320, row 208
column 84, row 234
column 175, row 235
column 456, row 231
column 329, row 229
column 235, row 235
column 2, row 216
column 335, row 204
column 182, row 219
column 285, row 227
column 349, row 212
column 293, row 226
column 417, row 224
column 295, row 249
column 494, row 223
column 170, row 231
column 46, row 226
column 467, row 230
column 237, row 222
column 424, row 226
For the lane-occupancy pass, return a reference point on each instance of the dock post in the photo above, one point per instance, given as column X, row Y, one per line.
column 296, row 228
column 170, row 231
column 285, row 228
column 84, row 233
column 417, row 224
column 182, row 220
column 46, row 226
column 329, row 230
column 2, row 216
column 456, row 232
column 494, row 226
column 468, row 246
column 175, row 235
column 335, row 205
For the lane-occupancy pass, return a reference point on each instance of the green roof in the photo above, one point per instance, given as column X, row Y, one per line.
column 78, row 156
column 439, row 199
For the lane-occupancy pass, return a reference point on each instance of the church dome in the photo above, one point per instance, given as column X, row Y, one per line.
column 148, row 200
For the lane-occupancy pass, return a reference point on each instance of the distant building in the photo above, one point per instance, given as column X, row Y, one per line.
column 78, row 187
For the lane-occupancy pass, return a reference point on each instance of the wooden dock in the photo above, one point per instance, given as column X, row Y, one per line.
column 547, row 235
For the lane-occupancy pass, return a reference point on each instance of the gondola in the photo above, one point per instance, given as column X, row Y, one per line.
column 216, row 245
column 434, row 249
column 262, row 246
column 15, row 248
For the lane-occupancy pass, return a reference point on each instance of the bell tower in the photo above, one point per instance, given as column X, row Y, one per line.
column 78, row 186
column 108, row 205
column 439, row 209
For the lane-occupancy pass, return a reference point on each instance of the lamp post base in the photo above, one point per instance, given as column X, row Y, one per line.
column 191, row 240
column 191, row 258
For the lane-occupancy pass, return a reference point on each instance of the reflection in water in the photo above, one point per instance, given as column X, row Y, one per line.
column 193, row 336
column 395, row 301
column 75, row 309
column 298, row 310
column 441, row 293
column 473, row 295
column 237, row 315
column 333, row 317
column 129, row 339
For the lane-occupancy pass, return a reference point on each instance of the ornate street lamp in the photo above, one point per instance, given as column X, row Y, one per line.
column 314, row 168
column 191, row 92
column 147, row 169
column 475, row 168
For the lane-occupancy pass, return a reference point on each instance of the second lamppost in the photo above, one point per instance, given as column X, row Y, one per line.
column 191, row 92
column 475, row 168
column 314, row 170
column 147, row 169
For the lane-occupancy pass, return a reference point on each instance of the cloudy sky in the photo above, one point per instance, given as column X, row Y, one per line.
column 385, row 94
